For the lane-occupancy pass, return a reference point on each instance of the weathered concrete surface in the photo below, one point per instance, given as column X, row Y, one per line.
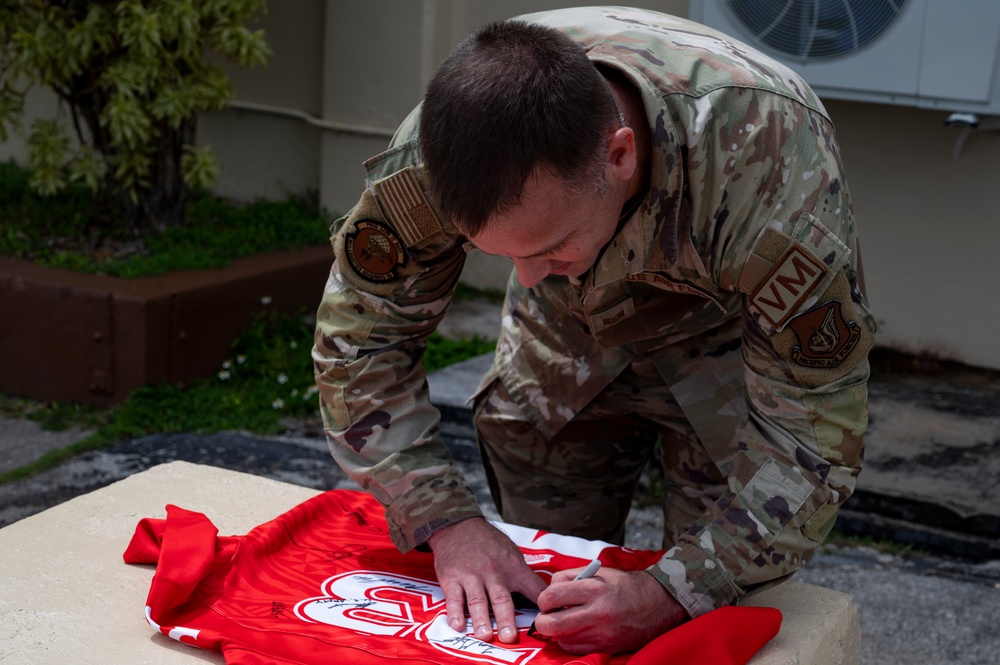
column 23, row 441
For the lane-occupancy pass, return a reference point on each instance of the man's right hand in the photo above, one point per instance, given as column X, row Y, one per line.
column 478, row 566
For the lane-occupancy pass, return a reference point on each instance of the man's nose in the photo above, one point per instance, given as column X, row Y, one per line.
column 531, row 271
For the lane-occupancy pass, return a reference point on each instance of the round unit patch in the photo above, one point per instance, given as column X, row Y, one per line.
column 375, row 251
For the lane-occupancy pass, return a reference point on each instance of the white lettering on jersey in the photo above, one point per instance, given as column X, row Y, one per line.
column 535, row 559
column 390, row 604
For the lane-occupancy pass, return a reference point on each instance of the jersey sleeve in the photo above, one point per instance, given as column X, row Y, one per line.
column 772, row 220
column 394, row 272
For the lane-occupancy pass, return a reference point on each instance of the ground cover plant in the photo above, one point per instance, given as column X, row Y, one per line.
column 78, row 230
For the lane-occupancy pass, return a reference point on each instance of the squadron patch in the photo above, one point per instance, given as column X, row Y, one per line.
column 824, row 338
column 375, row 251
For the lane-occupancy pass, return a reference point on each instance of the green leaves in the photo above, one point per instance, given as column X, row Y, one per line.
column 88, row 168
column 126, row 119
column 240, row 44
column 48, row 149
column 139, row 28
column 11, row 109
column 78, row 230
column 134, row 75
column 199, row 167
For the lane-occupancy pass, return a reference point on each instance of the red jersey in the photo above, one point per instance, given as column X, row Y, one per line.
column 323, row 583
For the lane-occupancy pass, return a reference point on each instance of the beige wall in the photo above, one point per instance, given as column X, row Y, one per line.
column 379, row 58
column 930, row 228
column 270, row 154
column 344, row 74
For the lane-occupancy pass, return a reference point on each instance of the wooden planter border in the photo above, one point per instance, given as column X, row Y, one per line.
column 67, row 336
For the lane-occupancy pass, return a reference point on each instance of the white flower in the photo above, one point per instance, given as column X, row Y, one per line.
column 240, row 359
column 282, row 379
column 226, row 365
column 278, row 404
column 224, row 375
column 295, row 392
column 293, row 344
column 265, row 300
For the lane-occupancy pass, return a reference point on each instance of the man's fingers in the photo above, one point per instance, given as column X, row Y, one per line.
column 503, row 612
column 569, row 594
column 455, row 606
column 479, row 613
column 529, row 584
column 562, row 623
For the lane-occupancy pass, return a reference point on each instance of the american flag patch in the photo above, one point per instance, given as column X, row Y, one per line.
column 403, row 202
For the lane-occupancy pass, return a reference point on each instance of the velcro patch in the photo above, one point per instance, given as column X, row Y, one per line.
column 403, row 202
column 827, row 341
column 374, row 251
column 825, row 338
column 788, row 284
column 612, row 316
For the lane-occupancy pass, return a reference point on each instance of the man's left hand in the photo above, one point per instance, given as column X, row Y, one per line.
column 613, row 612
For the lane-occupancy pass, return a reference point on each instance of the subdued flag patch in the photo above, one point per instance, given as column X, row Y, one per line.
column 403, row 202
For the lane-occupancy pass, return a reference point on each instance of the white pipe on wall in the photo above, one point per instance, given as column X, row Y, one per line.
column 330, row 125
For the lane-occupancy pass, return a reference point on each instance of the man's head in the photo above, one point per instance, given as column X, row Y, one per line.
column 511, row 100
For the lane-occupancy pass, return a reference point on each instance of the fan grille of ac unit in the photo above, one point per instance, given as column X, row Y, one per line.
column 810, row 30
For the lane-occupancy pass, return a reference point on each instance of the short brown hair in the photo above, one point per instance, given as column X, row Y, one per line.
column 512, row 97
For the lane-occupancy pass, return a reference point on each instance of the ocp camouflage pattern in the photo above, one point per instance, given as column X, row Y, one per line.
column 740, row 145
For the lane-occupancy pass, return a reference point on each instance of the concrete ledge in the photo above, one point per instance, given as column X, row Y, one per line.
column 66, row 595
column 819, row 626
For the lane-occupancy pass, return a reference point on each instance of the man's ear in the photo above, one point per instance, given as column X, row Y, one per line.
column 622, row 157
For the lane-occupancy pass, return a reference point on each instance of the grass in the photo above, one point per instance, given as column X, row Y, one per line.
column 79, row 231
column 268, row 378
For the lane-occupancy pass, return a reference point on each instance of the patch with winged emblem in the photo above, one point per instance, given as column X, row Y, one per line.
column 375, row 251
column 825, row 339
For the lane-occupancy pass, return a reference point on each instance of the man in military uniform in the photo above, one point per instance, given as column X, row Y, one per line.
column 686, row 274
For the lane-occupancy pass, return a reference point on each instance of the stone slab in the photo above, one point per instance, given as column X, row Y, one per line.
column 67, row 596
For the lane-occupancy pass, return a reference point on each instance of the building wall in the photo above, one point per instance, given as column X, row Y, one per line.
column 344, row 75
column 930, row 228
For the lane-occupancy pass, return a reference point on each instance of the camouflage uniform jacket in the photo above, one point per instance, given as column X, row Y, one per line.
column 747, row 226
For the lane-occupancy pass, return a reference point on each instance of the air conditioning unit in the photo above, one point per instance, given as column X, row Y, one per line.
column 942, row 54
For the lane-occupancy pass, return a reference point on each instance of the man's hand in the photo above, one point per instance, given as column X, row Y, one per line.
column 478, row 566
column 613, row 612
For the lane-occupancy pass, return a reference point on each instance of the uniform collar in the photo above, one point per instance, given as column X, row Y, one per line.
column 650, row 239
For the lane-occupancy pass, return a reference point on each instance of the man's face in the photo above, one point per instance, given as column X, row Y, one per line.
column 555, row 230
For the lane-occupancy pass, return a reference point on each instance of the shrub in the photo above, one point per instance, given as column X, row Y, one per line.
column 133, row 75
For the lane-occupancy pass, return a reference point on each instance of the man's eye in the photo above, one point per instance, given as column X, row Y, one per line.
column 555, row 249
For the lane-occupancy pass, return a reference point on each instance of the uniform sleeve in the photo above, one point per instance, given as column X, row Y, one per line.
column 392, row 279
column 771, row 218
